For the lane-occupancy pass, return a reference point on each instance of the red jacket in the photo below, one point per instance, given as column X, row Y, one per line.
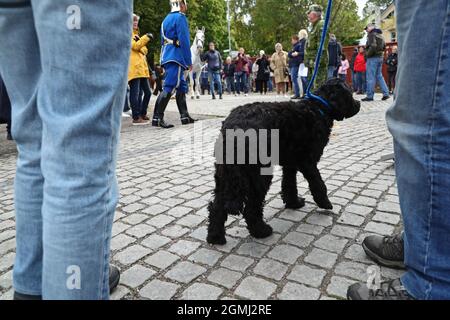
column 360, row 63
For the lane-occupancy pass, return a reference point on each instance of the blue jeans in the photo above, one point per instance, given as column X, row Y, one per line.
column 330, row 72
column 67, row 90
column 241, row 82
column 420, row 124
column 140, row 95
column 230, row 84
column 360, row 81
column 294, row 77
column 374, row 75
column 214, row 78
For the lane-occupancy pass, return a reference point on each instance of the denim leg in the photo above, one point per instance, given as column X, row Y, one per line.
column 135, row 98
column 330, row 72
column 219, row 82
column 145, row 88
column 371, row 77
column 380, row 78
column 79, row 141
column 420, row 124
column 21, row 71
column 294, row 75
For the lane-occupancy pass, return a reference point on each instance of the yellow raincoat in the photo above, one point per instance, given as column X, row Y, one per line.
column 138, row 59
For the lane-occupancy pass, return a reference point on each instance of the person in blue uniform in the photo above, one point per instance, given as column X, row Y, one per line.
column 176, row 60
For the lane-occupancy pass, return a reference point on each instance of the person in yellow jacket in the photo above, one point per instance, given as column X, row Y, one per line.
column 138, row 75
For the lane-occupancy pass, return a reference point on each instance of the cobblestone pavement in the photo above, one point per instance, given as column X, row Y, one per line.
column 160, row 225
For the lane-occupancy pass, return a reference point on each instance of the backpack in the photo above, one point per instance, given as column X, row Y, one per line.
column 381, row 44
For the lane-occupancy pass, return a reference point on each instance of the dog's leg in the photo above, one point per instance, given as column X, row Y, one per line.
column 317, row 186
column 254, row 207
column 289, row 192
column 216, row 227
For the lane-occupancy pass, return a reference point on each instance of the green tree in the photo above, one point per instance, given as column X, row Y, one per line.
column 259, row 24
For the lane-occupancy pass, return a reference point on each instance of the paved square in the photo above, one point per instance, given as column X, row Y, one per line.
column 166, row 180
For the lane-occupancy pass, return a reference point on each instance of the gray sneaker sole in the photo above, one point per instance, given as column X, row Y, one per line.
column 385, row 263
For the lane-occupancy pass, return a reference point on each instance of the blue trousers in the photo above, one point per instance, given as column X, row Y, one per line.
column 67, row 90
column 214, row 78
column 420, row 124
column 374, row 76
column 294, row 77
column 241, row 82
column 175, row 78
column 140, row 95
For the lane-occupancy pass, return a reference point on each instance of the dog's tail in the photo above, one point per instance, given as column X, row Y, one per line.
column 230, row 191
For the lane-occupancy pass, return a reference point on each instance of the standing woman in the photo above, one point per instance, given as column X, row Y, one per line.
column 302, row 74
column 138, row 75
column 279, row 65
column 263, row 75
column 392, row 62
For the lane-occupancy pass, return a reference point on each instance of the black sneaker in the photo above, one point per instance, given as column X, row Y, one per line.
column 390, row 290
column 386, row 98
column 114, row 278
column 386, row 251
column 367, row 100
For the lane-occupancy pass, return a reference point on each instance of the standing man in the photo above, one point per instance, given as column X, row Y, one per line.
column 67, row 91
column 334, row 54
column 296, row 56
column 375, row 51
column 312, row 45
column 176, row 60
column 419, row 122
column 241, row 74
column 214, row 61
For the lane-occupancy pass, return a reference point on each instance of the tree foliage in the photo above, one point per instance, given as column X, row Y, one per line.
column 256, row 24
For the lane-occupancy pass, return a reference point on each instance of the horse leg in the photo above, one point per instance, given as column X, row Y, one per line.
column 197, row 89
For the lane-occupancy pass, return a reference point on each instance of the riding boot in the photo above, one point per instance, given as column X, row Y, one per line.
column 182, row 108
column 160, row 107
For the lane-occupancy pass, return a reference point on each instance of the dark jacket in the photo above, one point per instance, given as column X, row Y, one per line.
column 392, row 62
column 241, row 63
column 229, row 69
column 372, row 48
column 263, row 70
column 299, row 47
column 5, row 104
column 334, row 53
column 214, row 60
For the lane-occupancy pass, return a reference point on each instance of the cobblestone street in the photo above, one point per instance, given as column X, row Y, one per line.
column 166, row 179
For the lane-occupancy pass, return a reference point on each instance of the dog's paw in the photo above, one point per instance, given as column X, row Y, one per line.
column 300, row 203
column 261, row 231
column 325, row 204
column 216, row 239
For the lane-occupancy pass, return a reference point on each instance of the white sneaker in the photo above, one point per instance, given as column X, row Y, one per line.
column 246, row 94
column 125, row 115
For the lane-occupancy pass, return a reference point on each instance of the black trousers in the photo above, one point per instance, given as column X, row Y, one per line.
column 261, row 86
column 391, row 80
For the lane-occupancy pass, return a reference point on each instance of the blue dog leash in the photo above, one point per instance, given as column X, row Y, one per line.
column 308, row 94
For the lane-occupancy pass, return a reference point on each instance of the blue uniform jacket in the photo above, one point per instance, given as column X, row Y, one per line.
column 176, row 27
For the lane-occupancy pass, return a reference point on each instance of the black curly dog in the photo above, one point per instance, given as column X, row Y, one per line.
column 304, row 131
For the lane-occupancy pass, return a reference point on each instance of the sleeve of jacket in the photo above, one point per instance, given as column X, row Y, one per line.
column 184, row 38
column 139, row 44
